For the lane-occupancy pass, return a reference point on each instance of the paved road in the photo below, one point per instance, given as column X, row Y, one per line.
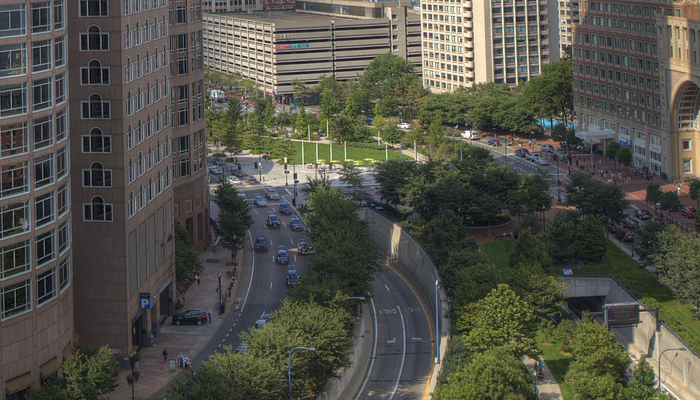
column 402, row 359
column 262, row 282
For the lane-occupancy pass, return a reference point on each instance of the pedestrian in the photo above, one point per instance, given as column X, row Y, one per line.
column 196, row 278
column 210, row 315
column 577, row 162
column 165, row 354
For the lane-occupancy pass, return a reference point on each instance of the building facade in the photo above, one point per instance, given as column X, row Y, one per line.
column 218, row 6
column 468, row 42
column 568, row 16
column 36, row 325
column 337, row 39
column 137, row 143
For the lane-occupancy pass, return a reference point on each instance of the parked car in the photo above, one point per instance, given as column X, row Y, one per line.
column 547, row 148
column 642, row 214
column 197, row 317
column 242, row 196
column 625, row 235
column 369, row 121
column 560, row 152
column 273, row 221
column 260, row 243
column 614, row 227
column 282, row 256
column 296, row 224
column 470, row 135
column 404, row 125
column 233, row 180
column 303, row 247
column 521, row 152
column 285, row 208
column 259, row 201
column 260, row 323
column 253, row 181
column 630, row 223
column 292, row 277
column 541, row 162
column 688, row 212
column 494, row 142
column 215, row 170
column 533, row 157
column 241, row 349
column 271, row 193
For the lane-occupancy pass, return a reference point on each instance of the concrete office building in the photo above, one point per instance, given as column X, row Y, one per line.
column 331, row 38
column 137, row 141
column 217, row 6
column 568, row 16
column 468, row 42
column 619, row 83
column 36, row 325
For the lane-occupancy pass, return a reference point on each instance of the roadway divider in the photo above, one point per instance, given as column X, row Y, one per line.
column 408, row 257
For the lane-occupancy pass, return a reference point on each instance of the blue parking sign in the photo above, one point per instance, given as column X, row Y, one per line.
column 145, row 301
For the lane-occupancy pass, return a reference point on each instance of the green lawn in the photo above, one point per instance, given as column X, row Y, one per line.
column 640, row 282
column 360, row 156
column 557, row 362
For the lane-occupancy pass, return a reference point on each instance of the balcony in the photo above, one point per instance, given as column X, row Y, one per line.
column 469, row 54
column 469, row 35
column 469, row 64
column 469, row 74
column 468, row 14
column 469, row 24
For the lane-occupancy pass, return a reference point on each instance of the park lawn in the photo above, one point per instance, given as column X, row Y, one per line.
column 557, row 362
column 359, row 156
column 640, row 282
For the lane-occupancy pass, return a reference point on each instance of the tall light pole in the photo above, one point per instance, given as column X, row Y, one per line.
column 289, row 365
column 558, row 181
column 660, row 356
column 437, row 323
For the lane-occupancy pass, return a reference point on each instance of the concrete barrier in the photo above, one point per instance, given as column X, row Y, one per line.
column 406, row 255
column 680, row 370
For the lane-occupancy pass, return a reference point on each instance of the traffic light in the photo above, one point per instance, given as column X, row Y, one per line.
column 256, row 165
column 240, row 167
column 295, row 176
column 559, row 182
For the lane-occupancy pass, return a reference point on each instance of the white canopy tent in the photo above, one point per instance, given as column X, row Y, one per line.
column 594, row 137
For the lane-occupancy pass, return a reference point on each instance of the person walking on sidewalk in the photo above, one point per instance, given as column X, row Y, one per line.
column 165, row 354
column 196, row 278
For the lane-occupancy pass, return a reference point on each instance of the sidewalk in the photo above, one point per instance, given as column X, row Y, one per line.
column 547, row 388
column 185, row 339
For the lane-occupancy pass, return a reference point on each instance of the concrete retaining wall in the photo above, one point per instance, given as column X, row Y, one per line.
column 680, row 370
column 410, row 258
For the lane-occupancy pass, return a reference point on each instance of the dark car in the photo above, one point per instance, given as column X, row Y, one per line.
column 688, row 212
column 494, row 142
column 303, row 247
column 197, row 317
column 292, row 277
column 521, row 152
column 375, row 206
column 259, row 201
column 625, row 235
column 241, row 349
column 614, row 227
column 285, row 208
column 282, row 256
column 253, row 181
column 642, row 214
column 630, row 223
column 296, row 224
column 273, row 221
column 260, row 243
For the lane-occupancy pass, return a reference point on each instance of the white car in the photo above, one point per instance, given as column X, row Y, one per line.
column 541, row 162
column 215, row 170
column 547, row 148
column 234, row 180
column 533, row 157
column 404, row 125
column 470, row 135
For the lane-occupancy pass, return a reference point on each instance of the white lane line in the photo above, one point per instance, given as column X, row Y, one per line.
column 387, row 288
column 270, row 285
column 403, row 354
column 273, row 258
column 374, row 351
column 285, row 225
column 291, row 241
column 295, row 258
column 255, row 211
column 252, row 272
column 288, row 192
column 270, row 242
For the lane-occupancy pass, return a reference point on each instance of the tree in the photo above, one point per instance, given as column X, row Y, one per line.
column 392, row 176
column 346, row 128
column 561, row 235
column 694, row 186
column 551, row 93
column 392, row 134
column 595, row 351
column 653, row 193
column 611, row 150
column 679, row 261
column 670, row 201
column 234, row 218
column 500, row 319
column 352, row 176
column 590, row 243
column 560, row 133
column 646, row 241
column 545, row 294
column 607, row 202
column 624, row 156
column 530, row 253
column 441, row 236
column 587, row 386
column 390, row 83
column 495, row 374
column 641, row 387
column 331, row 96
column 187, row 262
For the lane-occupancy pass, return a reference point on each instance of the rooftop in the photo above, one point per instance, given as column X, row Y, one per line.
column 287, row 17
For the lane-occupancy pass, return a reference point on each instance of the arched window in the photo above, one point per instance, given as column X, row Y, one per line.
column 96, row 142
column 130, row 171
column 94, row 40
column 97, row 176
column 95, row 108
column 97, row 210
column 94, row 74
column 94, row 8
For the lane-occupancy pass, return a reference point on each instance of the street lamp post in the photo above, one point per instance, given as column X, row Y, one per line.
column 660, row 356
column 558, row 181
column 289, row 365
column 132, row 379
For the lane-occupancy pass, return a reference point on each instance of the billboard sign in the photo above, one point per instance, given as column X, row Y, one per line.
column 292, row 46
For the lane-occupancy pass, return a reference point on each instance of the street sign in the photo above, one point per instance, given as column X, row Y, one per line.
column 622, row 314
column 145, row 301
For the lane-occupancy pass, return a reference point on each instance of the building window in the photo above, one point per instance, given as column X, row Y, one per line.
column 13, row 140
column 41, row 91
column 95, row 108
column 46, row 286
column 59, row 46
column 43, row 132
column 58, row 15
column 12, row 20
column 13, row 179
column 62, row 200
column 94, row 40
column 96, row 142
column 94, row 8
column 13, row 60
column 41, row 55
column 13, row 100
column 14, row 219
column 686, row 144
column 16, row 299
column 15, row 259
column 41, row 17
column 97, row 210
column 97, row 176
column 94, row 74
column 45, row 247
column 61, row 126
column 60, row 89
column 63, row 237
column 62, row 162
column 687, row 166
column 64, row 274
column 180, row 15
column 43, row 171
column 44, row 209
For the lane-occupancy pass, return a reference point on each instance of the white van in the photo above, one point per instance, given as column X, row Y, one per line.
column 470, row 135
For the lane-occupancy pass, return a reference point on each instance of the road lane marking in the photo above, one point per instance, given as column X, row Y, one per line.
column 270, row 285
column 288, row 192
column 387, row 288
column 403, row 353
column 273, row 258
column 374, row 349
column 285, row 225
column 270, row 242
column 255, row 211
column 252, row 272
column 392, row 341
column 291, row 241
column 295, row 258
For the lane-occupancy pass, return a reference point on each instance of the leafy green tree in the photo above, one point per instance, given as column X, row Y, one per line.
column 530, row 253
column 187, row 262
column 551, row 93
column 694, row 187
column 624, row 156
column 653, row 193
column 677, row 258
column 561, row 235
column 391, row 84
column 560, row 133
column 670, row 201
column 611, row 150
column 696, row 222
column 392, row 134
column 392, row 176
column 641, row 387
column 587, row 386
column 352, row 176
column 590, row 243
column 331, row 96
column 531, row 195
column 314, row 184
column 646, row 242
column 234, row 218
column 441, row 236
column 500, row 319
column 346, row 128
column 592, row 197
column 495, row 374
column 545, row 294
column 595, row 351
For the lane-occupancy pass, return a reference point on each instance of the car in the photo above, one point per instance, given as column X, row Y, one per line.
column 533, row 157
column 241, row 349
column 642, row 214
column 259, row 201
column 521, row 152
column 260, row 243
column 271, row 193
column 629, row 223
column 541, row 162
column 547, row 148
column 303, row 247
column 494, row 142
column 273, row 221
column 215, row 170
column 285, row 208
column 369, row 121
column 253, row 181
column 292, row 276
column 614, row 227
column 560, row 152
column 282, row 256
column 625, row 235
column 260, row 323
column 404, row 125
column 688, row 212
column 233, row 180
column 242, row 196
column 296, row 224
column 375, row 206
column 470, row 135
column 196, row 316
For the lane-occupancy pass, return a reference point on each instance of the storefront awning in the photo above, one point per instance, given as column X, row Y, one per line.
column 16, row 384
column 595, row 136
column 49, row 368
